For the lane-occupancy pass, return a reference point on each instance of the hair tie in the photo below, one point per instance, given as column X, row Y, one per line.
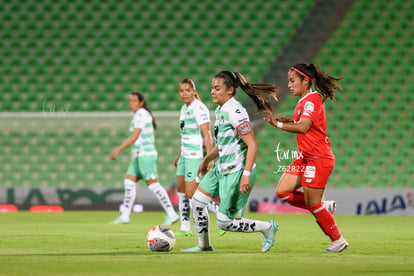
column 234, row 75
column 303, row 74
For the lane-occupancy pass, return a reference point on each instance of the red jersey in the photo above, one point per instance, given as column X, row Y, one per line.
column 315, row 141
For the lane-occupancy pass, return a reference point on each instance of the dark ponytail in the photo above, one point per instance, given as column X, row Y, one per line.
column 324, row 84
column 141, row 98
column 258, row 92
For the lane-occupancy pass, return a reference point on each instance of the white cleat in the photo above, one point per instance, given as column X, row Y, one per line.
column 197, row 249
column 171, row 220
column 120, row 220
column 330, row 205
column 337, row 246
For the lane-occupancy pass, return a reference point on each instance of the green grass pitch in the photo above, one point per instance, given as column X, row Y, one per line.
column 84, row 243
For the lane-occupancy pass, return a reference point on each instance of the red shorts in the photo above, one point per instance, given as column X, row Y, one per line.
column 314, row 171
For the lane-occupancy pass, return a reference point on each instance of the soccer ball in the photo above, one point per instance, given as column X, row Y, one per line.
column 161, row 239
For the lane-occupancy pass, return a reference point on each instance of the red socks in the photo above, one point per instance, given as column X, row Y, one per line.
column 326, row 221
column 324, row 218
column 297, row 198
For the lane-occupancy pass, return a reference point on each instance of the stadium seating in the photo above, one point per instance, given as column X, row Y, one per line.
column 90, row 55
column 58, row 58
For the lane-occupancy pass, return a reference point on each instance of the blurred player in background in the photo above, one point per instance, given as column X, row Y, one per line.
column 312, row 170
column 144, row 160
column 195, row 132
column 233, row 174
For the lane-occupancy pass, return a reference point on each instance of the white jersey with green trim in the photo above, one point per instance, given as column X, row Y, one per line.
column 145, row 144
column 192, row 117
column 232, row 121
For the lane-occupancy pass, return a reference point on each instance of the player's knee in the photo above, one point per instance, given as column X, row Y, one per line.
column 223, row 221
column 190, row 188
column 198, row 201
column 129, row 182
column 196, row 205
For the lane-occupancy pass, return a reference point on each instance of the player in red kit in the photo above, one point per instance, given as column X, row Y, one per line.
column 316, row 160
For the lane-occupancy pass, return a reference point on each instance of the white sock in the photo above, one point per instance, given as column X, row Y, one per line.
column 184, row 210
column 163, row 198
column 130, row 191
column 201, row 219
column 241, row 224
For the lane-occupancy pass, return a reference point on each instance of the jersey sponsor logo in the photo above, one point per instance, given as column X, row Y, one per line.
column 310, row 172
column 243, row 120
column 238, row 111
column 244, row 128
column 309, row 108
column 204, row 116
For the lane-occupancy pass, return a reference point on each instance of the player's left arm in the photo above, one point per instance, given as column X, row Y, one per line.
column 250, row 140
column 309, row 115
column 300, row 127
column 208, row 140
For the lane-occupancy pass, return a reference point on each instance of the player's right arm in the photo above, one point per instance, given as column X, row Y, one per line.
column 212, row 155
column 176, row 158
column 127, row 143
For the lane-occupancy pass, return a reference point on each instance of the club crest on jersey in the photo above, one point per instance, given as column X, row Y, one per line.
column 221, row 120
column 244, row 128
column 308, row 109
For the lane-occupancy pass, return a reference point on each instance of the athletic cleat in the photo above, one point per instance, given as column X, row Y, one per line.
column 337, row 246
column 269, row 237
column 184, row 233
column 198, row 249
column 171, row 220
column 222, row 232
column 120, row 220
column 330, row 205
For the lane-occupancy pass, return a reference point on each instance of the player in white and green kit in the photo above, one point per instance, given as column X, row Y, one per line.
column 195, row 133
column 144, row 161
column 233, row 174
